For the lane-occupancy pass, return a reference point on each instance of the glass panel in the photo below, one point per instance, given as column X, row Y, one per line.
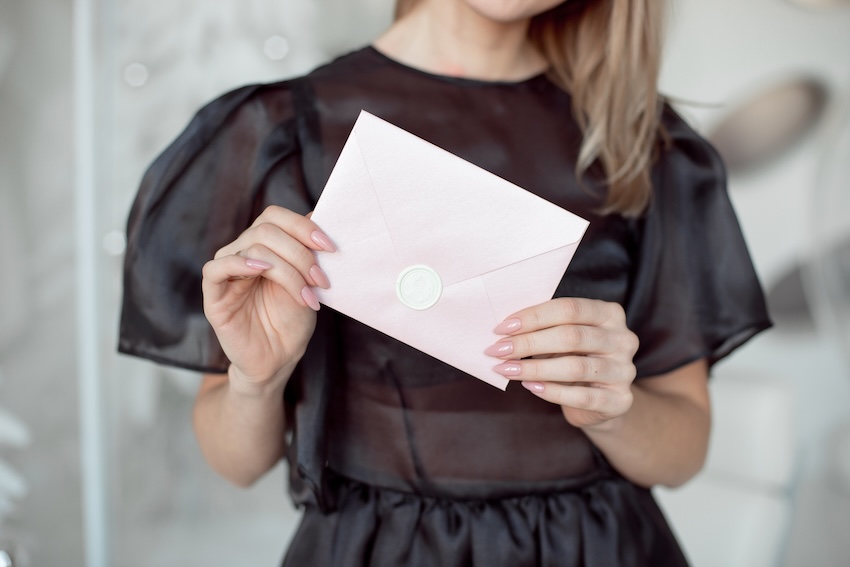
column 39, row 442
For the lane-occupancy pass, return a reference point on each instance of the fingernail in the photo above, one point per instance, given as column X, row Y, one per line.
column 508, row 326
column 310, row 298
column 323, row 241
column 501, row 348
column 508, row 369
column 319, row 277
column 534, row 386
column 257, row 264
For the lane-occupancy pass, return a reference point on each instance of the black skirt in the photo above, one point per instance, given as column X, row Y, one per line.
column 608, row 522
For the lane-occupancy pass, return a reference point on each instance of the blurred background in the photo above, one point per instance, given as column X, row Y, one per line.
column 98, row 464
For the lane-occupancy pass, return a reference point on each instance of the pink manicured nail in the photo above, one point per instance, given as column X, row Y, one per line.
column 534, row 386
column 310, row 298
column 319, row 277
column 257, row 264
column 323, row 241
column 508, row 326
column 508, row 369
column 501, row 348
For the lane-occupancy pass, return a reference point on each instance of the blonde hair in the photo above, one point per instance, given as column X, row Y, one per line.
column 607, row 55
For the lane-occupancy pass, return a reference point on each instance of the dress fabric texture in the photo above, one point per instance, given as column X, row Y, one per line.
column 398, row 458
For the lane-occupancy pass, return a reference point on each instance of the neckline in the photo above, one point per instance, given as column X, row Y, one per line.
column 450, row 78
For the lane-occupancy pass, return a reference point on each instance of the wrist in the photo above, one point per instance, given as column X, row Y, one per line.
column 607, row 427
column 258, row 389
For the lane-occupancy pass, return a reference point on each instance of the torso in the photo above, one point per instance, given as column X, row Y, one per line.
column 399, row 418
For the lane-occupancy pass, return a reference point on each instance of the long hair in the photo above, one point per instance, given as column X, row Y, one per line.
column 607, row 55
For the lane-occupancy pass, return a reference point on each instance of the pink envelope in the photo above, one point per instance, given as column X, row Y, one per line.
column 433, row 250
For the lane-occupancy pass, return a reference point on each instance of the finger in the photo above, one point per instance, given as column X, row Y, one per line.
column 562, row 339
column 586, row 369
column 217, row 273
column 602, row 400
column 284, row 274
column 563, row 311
column 298, row 226
column 280, row 272
column 284, row 246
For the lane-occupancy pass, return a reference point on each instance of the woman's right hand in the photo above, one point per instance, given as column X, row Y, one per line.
column 257, row 297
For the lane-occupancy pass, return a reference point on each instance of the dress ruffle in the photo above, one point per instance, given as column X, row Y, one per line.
column 607, row 523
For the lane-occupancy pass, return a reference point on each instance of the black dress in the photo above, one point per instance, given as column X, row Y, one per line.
column 400, row 459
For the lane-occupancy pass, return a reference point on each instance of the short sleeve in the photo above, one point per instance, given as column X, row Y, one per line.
column 696, row 293
column 237, row 155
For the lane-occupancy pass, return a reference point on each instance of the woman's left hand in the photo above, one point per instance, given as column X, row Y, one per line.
column 582, row 357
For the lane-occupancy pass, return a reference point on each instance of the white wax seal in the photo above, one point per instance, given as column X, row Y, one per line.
column 419, row 287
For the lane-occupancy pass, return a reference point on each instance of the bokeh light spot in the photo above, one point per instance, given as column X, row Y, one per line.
column 276, row 47
column 136, row 74
column 114, row 243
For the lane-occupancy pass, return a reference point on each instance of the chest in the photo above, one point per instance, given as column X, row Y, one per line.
column 541, row 158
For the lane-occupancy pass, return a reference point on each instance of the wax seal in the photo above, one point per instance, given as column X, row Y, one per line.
column 419, row 287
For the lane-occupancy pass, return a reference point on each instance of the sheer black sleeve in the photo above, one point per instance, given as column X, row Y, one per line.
column 696, row 293
column 235, row 157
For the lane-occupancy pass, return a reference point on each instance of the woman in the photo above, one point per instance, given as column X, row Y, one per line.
column 398, row 458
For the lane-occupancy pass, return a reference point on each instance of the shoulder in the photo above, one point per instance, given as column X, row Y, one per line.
column 272, row 102
column 276, row 102
column 239, row 118
column 346, row 67
column 687, row 165
column 681, row 144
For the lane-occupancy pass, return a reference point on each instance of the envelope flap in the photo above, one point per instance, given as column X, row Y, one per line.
column 452, row 215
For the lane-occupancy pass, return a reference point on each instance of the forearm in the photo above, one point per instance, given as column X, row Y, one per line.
column 662, row 439
column 241, row 434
